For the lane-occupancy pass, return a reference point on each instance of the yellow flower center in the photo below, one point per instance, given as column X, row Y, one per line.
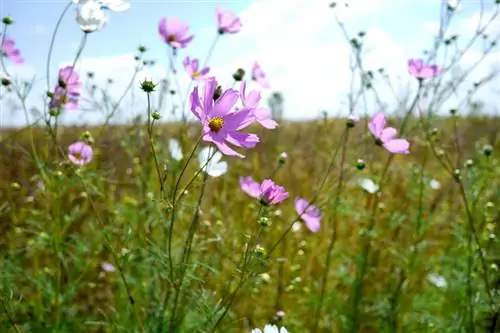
column 171, row 38
column 63, row 99
column 78, row 156
column 216, row 124
column 196, row 74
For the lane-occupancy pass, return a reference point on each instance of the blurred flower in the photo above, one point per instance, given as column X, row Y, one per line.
column 10, row 52
column 192, row 68
column 66, row 92
column 352, row 120
column 174, row 32
column 435, row 184
column 228, row 21
column 270, row 329
column 296, row 227
column 175, row 149
column 220, row 125
column 267, row 192
column 91, row 14
column 259, row 76
column 261, row 115
column 215, row 166
column 453, row 4
column 385, row 136
column 80, row 153
column 280, row 313
column 310, row 214
column 368, row 185
column 107, row 267
column 418, row 69
column 437, row 280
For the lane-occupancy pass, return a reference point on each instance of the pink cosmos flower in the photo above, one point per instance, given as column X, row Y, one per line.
column 220, row 125
column 418, row 69
column 174, row 32
column 385, row 136
column 66, row 92
column 261, row 115
column 228, row 21
column 9, row 51
column 267, row 192
column 259, row 76
column 192, row 68
column 80, row 153
column 310, row 214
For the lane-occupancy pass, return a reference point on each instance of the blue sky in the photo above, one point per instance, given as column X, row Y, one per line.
column 296, row 41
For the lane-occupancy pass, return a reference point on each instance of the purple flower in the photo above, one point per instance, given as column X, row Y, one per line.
column 259, row 76
column 220, row 125
column 66, row 92
column 385, row 136
column 310, row 214
column 192, row 68
column 174, row 32
column 418, row 69
column 107, row 267
column 228, row 21
column 9, row 51
column 267, row 192
column 69, row 79
column 261, row 115
column 80, row 153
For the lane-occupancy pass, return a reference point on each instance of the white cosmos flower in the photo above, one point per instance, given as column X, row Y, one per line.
column 215, row 167
column 91, row 16
column 437, row 280
column 270, row 329
column 175, row 149
column 435, row 184
column 368, row 185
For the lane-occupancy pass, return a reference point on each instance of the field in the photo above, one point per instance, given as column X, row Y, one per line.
column 235, row 218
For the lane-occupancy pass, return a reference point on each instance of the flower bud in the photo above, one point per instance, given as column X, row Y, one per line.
column 6, row 82
column 148, row 86
column 352, row 120
column 360, row 164
column 217, row 93
column 142, row 48
column 156, row 115
column 282, row 158
column 7, row 20
column 264, row 221
column 239, row 75
column 487, row 150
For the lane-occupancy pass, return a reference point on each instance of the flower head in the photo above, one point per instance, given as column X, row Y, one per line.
column 368, row 185
column 267, row 192
column 193, row 70
column 418, row 69
column 80, row 153
column 66, row 92
column 175, row 149
column 210, row 161
column 385, row 136
column 107, row 267
column 174, row 32
column 227, row 21
column 310, row 214
column 259, row 114
column 259, row 76
column 221, row 126
column 270, row 329
column 69, row 79
column 9, row 51
column 437, row 280
column 91, row 15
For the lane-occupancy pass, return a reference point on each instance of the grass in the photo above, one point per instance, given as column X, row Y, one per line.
column 56, row 236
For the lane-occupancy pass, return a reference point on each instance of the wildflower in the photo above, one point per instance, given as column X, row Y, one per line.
column 418, row 69
column 175, row 149
column 261, row 115
column 192, row 68
column 270, row 329
column 310, row 214
column 368, row 185
column 435, row 184
column 66, row 92
column 282, row 158
column 107, row 267
column 9, row 51
column 296, row 227
column 437, row 280
column 453, row 5
column 227, row 21
column 91, row 15
column 384, row 136
column 174, row 32
column 259, row 76
column 267, row 192
column 220, row 125
column 80, row 153
column 215, row 167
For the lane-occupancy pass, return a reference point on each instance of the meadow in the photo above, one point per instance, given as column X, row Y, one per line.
column 385, row 222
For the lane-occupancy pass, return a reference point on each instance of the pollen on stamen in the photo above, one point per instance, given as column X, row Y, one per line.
column 216, row 124
column 196, row 74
